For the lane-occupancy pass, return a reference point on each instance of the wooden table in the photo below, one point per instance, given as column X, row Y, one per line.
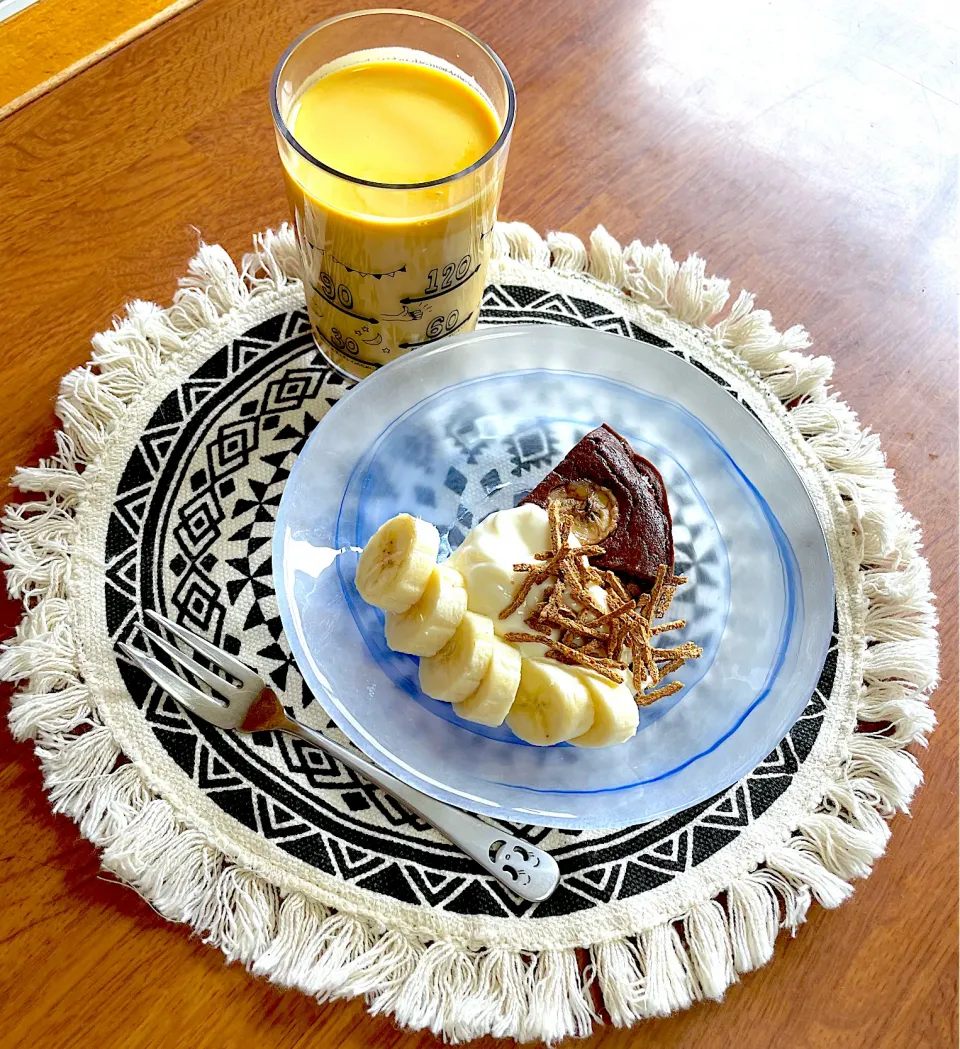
column 808, row 154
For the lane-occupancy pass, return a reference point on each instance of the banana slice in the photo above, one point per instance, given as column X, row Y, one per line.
column 593, row 509
column 615, row 714
column 458, row 668
column 395, row 565
column 552, row 704
column 492, row 700
column 426, row 627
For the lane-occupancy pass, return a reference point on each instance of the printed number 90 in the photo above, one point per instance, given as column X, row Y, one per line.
column 335, row 292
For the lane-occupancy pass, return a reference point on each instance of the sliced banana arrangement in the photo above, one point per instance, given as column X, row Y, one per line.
column 432, row 621
column 494, row 697
column 458, row 669
column 615, row 714
column 397, row 563
column 525, row 624
column 552, row 705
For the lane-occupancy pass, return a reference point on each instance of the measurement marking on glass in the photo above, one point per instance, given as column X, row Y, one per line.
column 406, row 300
column 436, row 334
column 346, row 346
column 341, row 307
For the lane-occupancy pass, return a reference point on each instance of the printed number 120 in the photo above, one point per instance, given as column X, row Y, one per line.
column 451, row 272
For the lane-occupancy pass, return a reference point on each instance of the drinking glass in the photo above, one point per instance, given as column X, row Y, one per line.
column 400, row 265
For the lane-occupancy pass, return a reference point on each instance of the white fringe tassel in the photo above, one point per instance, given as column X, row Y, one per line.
column 455, row 991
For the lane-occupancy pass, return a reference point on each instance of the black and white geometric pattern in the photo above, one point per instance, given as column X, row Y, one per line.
column 190, row 535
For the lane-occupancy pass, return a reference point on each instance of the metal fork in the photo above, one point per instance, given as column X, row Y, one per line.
column 251, row 706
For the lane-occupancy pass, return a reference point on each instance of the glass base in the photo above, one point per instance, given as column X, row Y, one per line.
column 347, row 366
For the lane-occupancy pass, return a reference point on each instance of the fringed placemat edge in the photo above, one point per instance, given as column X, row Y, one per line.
column 461, row 990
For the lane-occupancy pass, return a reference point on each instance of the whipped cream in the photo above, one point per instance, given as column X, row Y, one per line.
column 486, row 558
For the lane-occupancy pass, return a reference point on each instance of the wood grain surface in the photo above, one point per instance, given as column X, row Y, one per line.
column 53, row 40
column 807, row 151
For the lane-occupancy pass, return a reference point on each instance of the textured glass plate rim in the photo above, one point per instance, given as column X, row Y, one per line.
column 784, row 549
column 422, row 781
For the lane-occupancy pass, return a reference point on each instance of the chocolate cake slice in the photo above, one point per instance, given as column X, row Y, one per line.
column 603, row 481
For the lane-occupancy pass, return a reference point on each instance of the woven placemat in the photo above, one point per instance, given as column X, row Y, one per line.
column 176, row 441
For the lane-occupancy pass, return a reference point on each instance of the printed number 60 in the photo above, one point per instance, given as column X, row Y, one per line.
column 440, row 324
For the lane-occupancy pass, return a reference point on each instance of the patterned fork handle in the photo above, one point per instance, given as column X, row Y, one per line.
column 249, row 706
column 524, row 869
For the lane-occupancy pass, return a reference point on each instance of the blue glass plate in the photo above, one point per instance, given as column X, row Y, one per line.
column 468, row 427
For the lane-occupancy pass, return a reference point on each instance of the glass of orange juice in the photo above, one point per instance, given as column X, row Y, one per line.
column 393, row 128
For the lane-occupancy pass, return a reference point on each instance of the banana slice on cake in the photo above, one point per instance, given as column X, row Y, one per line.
column 458, row 669
column 593, row 509
column 426, row 627
column 552, row 705
column 397, row 562
column 615, row 714
column 491, row 702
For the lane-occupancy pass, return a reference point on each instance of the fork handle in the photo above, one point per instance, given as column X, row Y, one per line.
column 524, row 869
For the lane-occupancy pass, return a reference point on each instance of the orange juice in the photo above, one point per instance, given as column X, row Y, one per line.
column 394, row 250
